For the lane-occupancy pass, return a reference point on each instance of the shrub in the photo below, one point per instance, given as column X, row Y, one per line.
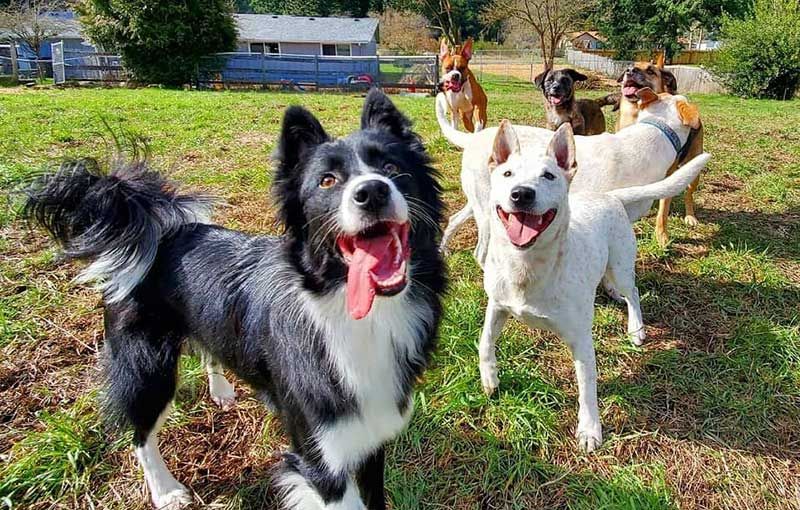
column 760, row 56
column 160, row 41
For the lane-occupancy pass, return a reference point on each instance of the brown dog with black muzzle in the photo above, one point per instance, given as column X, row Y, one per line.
column 652, row 75
column 465, row 97
column 561, row 106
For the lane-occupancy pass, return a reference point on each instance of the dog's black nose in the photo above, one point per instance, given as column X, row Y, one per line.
column 522, row 196
column 372, row 195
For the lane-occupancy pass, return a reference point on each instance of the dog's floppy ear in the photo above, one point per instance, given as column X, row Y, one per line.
column 466, row 50
column 689, row 114
column 562, row 149
column 575, row 75
column 669, row 81
column 443, row 49
column 621, row 76
column 380, row 113
column 505, row 144
column 646, row 96
column 539, row 80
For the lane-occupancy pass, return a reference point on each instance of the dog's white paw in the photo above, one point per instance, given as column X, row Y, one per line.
column 176, row 499
column 691, row 221
column 222, row 392
column 489, row 380
column 638, row 336
column 590, row 437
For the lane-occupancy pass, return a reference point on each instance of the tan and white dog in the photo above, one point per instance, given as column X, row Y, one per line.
column 550, row 247
column 638, row 155
column 465, row 97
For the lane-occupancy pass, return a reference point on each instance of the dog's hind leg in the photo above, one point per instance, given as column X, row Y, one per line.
column 220, row 389
column 621, row 278
column 662, row 236
column 454, row 225
column 142, row 359
column 688, row 199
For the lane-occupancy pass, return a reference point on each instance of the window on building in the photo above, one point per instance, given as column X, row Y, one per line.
column 339, row 50
column 343, row 50
column 329, row 50
column 265, row 48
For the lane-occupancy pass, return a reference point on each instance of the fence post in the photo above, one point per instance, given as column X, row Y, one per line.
column 14, row 65
column 378, row 71
column 316, row 71
column 436, row 76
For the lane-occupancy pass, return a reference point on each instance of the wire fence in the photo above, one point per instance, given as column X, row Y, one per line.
column 27, row 69
column 504, row 66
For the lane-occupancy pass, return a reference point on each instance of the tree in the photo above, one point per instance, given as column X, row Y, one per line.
column 760, row 54
column 355, row 8
column 631, row 25
column 27, row 23
column 549, row 19
column 406, row 32
column 160, row 41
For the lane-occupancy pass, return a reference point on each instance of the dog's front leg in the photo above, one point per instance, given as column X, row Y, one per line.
column 453, row 117
column 492, row 327
column 370, row 481
column 590, row 431
column 307, row 484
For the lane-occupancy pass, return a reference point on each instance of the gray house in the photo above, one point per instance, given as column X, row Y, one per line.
column 303, row 35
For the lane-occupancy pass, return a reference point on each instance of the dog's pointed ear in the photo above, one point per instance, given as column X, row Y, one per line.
column 562, row 149
column 301, row 132
column 466, row 50
column 443, row 49
column 670, row 82
column 576, row 76
column 380, row 113
column 539, row 80
column 660, row 60
column 689, row 114
column 646, row 97
column 505, row 144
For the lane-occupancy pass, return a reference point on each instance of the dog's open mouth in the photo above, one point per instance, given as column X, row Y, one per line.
column 377, row 260
column 556, row 100
column 522, row 227
column 453, row 85
column 630, row 88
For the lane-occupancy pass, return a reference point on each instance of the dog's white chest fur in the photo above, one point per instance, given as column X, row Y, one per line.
column 365, row 353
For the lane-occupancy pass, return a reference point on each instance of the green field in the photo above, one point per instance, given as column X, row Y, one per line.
column 705, row 415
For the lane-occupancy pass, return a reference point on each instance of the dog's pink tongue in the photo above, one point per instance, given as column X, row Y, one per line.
column 522, row 228
column 555, row 100
column 368, row 254
column 629, row 91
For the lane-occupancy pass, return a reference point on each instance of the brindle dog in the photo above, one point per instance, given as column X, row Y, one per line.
column 560, row 105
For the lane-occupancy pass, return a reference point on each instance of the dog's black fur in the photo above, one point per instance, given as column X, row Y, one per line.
column 240, row 298
column 585, row 115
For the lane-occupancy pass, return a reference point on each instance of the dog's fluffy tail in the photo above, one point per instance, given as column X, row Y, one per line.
column 114, row 219
column 454, row 136
column 665, row 188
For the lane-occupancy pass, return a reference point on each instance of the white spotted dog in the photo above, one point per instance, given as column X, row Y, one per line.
column 549, row 250
column 331, row 323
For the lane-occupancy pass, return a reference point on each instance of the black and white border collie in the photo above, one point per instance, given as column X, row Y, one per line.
column 331, row 322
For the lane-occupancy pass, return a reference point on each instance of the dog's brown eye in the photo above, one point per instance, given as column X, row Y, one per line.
column 549, row 176
column 327, row 181
column 390, row 168
column 507, row 173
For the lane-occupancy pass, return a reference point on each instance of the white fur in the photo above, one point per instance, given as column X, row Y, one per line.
column 551, row 285
column 165, row 491
column 221, row 390
column 637, row 155
column 351, row 218
column 364, row 352
column 117, row 274
column 298, row 494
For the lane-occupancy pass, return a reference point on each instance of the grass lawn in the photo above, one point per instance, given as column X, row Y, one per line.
column 705, row 415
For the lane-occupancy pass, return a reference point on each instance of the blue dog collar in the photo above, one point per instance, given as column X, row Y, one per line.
column 670, row 133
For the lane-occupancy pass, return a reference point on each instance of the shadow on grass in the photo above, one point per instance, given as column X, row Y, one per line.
column 733, row 378
column 778, row 233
